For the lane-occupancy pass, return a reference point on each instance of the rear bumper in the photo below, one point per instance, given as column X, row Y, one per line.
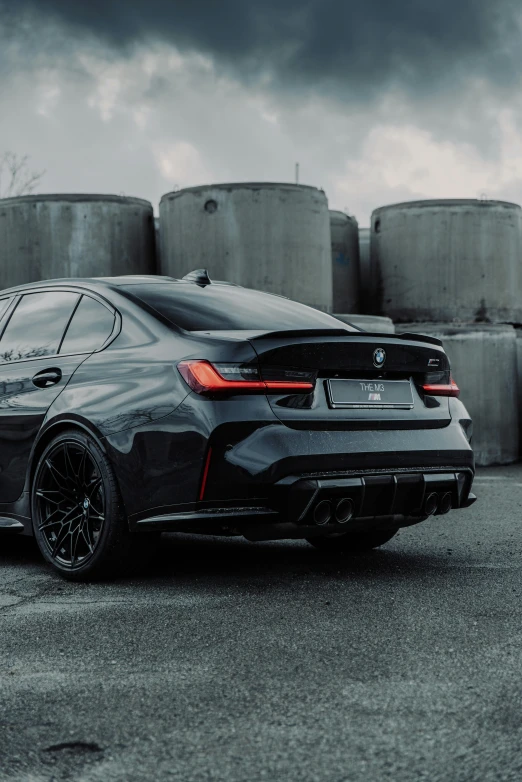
column 161, row 464
column 376, row 499
column 272, row 453
column 268, row 483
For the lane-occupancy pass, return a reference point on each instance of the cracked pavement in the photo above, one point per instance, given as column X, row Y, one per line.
column 228, row 660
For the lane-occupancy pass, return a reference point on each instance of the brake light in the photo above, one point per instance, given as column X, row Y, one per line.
column 442, row 389
column 206, row 378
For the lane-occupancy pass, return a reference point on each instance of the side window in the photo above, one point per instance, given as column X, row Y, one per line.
column 4, row 304
column 90, row 327
column 37, row 325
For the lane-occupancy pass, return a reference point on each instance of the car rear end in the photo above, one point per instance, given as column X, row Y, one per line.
column 314, row 430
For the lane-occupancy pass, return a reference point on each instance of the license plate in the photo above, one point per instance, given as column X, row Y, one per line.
column 370, row 393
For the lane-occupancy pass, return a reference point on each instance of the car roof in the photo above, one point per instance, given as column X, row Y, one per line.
column 100, row 283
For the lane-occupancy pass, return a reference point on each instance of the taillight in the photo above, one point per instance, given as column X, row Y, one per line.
column 206, row 378
column 442, row 389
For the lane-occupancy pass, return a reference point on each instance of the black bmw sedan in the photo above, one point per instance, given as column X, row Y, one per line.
column 131, row 406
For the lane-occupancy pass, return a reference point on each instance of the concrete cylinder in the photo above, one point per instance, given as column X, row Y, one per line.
column 519, row 378
column 445, row 260
column 484, row 365
column 51, row 236
column 157, row 242
column 364, row 270
column 271, row 237
column 344, row 233
column 369, row 322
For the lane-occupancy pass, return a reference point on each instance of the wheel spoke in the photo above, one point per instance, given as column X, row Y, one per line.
column 94, row 506
column 57, row 476
column 93, row 487
column 60, row 480
column 75, row 534
column 82, row 477
column 49, row 522
column 70, row 472
column 86, row 532
column 49, row 495
column 61, row 538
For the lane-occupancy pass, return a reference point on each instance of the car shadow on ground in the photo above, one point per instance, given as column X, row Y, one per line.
column 18, row 550
column 189, row 556
column 185, row 557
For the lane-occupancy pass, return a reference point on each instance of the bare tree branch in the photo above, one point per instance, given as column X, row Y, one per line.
column 16, row 178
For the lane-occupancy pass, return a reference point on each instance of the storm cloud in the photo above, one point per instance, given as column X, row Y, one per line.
column 379, row 101
column 360, row 47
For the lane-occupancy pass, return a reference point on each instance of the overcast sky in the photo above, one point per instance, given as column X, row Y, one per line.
column 379, row 100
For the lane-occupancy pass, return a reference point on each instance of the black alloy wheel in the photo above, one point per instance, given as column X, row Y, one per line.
column 355, row 542
column 78, row 517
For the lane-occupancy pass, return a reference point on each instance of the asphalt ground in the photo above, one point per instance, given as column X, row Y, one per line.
column 235, row 661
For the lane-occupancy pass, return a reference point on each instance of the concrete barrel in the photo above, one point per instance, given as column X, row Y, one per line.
column 484, row 365
column 369, row 322
column 364, row 270
column 268, row 236
column 519, row 377
column 344, row 232
column 447, row 260
column 157, row 242
column 51, row 236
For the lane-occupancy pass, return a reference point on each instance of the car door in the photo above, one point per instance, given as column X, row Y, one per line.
column 32, row 375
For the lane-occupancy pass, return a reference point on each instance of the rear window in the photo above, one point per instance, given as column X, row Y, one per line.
column 91, row 326
column 223, row 307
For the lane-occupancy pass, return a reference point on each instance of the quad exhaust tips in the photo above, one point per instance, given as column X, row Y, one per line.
column 439, row 504
column 340, row 511
column 324, row 511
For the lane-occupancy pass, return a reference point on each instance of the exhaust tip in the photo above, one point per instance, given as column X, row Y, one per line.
column 431, row 504
column 446, row 503
column 322, row 512
column 344, row 511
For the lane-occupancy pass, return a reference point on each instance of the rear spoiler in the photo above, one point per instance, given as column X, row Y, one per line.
column 419, row 338
column 345, row 333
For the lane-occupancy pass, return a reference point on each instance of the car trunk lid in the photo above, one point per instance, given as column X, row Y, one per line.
column 389, row 371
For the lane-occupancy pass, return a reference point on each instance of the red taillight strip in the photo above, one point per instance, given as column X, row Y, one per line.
column 202, row 378
column 205, row 474
column 290, row 385
column 450, row 389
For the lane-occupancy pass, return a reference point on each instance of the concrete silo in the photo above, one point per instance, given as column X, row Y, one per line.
column 445, row 260
column 364, row 269
column 344, row 232
column 157, row 242
column 272, row 237
column 48, row 236
column 484, row 364
column 368, row 322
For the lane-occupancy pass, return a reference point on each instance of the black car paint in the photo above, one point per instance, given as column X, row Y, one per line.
column 156, row 432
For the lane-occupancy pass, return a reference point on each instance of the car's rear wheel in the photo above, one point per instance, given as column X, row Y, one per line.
column 78, row 517
column 353, row 542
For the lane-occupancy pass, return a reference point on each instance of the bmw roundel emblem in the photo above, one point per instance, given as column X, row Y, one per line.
column 379, row 357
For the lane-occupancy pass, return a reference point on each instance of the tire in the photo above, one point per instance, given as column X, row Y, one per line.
column 78, row 516
column 353, row 542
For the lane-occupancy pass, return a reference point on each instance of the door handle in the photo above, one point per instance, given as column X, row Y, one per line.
column 47, row 378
